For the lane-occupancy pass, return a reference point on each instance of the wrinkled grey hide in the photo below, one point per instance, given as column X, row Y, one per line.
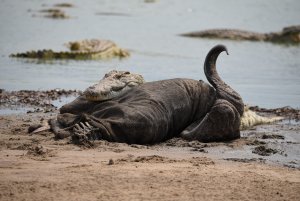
column 156, row 111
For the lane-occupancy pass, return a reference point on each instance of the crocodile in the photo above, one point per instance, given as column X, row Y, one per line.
column 54, row 13
column 155, row 111
column 79, row 50
column 289, row 35
column 251, row 119
column 116, row 83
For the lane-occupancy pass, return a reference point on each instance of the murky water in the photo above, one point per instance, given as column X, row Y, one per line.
column 264, row 74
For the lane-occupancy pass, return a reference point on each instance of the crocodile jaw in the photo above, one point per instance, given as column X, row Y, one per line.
column 101, row 96
column 112, row 85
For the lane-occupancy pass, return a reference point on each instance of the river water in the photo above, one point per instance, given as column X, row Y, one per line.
column 264, row 74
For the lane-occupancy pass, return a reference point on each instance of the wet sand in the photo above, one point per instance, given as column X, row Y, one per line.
column 262, row 165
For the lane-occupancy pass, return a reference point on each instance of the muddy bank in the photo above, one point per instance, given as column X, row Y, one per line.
column 265, row 160
column 34, row 100
column 275, row 143
column 118, row 171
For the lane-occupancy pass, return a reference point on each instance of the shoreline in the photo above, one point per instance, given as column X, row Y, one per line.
column 44, row 99
column 262, row 165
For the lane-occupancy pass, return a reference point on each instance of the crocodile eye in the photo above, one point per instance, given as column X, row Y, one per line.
column 118, row 76
column 127, row 73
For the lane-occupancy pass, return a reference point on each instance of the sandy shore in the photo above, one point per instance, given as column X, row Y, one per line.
column 262, row 165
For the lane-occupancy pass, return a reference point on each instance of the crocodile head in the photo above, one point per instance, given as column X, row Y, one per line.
column 113, row 84
column 290, row 35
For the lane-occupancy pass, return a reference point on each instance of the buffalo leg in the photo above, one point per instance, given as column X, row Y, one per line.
column 220, row 124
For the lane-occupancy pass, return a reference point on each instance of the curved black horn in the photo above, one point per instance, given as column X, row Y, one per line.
column 224, row 91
